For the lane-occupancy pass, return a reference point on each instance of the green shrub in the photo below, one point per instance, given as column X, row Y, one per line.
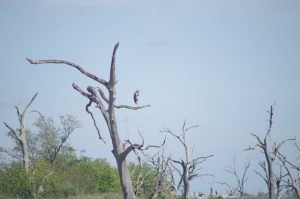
column 15, row 182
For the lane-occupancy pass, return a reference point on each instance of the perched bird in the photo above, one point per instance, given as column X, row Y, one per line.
column 136, row 96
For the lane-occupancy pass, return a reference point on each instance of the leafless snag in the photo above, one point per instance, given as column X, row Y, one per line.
column 161, row 172
column 270, row 153
column 292, row 182
column 279, row 178
column 240, row 179
column 107, row 106
column 142, row 172
column 189, row 168
column 21, row 135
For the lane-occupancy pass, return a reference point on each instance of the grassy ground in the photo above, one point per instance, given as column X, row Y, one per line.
column 99, row 196
column 87, row 196
column 103, row 196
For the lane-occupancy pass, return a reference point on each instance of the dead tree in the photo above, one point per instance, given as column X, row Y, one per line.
column 270, row 152
column 20, row 134
column 189, row 167
column 240, row 179
column 107, row 106
column 143, row 172
column 139, row 173
column 161, row 173
column 293, row 181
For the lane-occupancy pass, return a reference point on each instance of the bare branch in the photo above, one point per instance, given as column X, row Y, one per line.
column 262, row 164
column 112, row 79
column 189, row 128
column 270, row 120
column 94, row 97
column 30, row 102
column 261, row 144
column 12, row 130
column 140, row 147
column 196, row 160
column 92, row 115
column 263, row 177
column 121, row 106
column 55, row 61
column 176, row 161
column 277, row 147
column 13, row 154
column 81, row 91
column 143, row 146
column 176, row 136
column 249, row 148
column 132, row 107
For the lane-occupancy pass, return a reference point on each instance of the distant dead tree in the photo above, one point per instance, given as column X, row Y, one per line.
column 107, row 106
column 20, row 134
column 143, row 172
column 270, row 152
column 241, row 178
column 279, row 179
column 162, row 172
column 189, row 168
column 293, row 172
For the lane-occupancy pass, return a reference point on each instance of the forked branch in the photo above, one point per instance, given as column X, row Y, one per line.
column 140, row 147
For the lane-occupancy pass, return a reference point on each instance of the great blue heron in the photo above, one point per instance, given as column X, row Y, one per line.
column 136, row 96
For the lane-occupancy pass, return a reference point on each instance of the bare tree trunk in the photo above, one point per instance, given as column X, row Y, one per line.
column 25, row 150
column 271, row 179
column 186, row 182
column 125, row 180
column 21, row 135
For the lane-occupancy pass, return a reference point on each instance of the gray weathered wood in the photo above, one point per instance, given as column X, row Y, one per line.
column 107, row 106
column 21, row 135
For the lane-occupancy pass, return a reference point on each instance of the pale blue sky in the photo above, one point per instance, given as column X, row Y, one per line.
column 216, row 63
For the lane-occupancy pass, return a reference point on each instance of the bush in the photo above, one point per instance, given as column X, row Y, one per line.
column 92, row 176
column 15, row 182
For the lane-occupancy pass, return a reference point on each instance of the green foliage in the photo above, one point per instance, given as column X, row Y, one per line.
column 14, row 181
column 93, row 176
column 52, row 185
column 214, row 197
column 109, row 195
column 52, row 138
column 72, row 176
